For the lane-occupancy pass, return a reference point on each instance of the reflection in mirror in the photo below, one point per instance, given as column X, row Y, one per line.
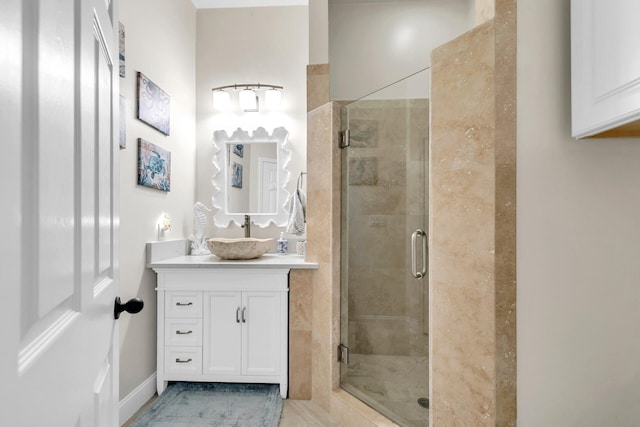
column 251, row 177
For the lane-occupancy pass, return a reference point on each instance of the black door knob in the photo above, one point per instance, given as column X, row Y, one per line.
column 134, row 305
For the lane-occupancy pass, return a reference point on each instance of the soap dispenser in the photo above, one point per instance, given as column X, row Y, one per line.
column 282, row 244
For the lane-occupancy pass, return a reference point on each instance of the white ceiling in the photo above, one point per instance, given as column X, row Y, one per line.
column 221, row 4
column 218, row 4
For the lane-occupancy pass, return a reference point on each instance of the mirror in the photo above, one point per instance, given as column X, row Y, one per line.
column 250, row 177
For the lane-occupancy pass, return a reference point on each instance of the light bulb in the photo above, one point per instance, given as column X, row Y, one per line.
column 248, row 100
column 272, row 98
column 221, row 100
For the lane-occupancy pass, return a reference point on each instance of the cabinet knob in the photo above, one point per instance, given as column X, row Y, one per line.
column 134, row 305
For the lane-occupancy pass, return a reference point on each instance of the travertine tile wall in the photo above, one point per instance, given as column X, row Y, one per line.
column 300, row 325
column 323, row 246
column 484, row 11
column 461, row 240
column 472, row 236
column 505, row 220
column 317, row 86
column 302, row 311
column 472, row 214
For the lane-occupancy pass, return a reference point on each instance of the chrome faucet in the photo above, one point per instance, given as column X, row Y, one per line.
column 247, row 226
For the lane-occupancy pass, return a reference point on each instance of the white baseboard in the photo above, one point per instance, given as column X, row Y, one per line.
column 137, row 398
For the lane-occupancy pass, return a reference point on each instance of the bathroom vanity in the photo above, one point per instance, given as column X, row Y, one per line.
column 222, row 321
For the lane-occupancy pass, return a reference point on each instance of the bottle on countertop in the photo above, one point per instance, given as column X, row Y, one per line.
column 283, row 245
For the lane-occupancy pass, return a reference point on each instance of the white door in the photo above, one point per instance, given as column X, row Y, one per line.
column 267, row 201
column 59, row 353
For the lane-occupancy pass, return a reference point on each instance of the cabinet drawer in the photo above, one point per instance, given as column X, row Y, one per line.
column 183, row 304
column 183, row 332
column 183, row 360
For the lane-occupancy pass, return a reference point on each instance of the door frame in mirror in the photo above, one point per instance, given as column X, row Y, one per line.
column 219, row 199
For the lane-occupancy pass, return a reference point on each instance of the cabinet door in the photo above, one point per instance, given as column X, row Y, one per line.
column 261, row 333
column 605, row 67
column 222, row 333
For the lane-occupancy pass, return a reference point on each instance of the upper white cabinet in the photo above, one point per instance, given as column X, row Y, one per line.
column 605, row 68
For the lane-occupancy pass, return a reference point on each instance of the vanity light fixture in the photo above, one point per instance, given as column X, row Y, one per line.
column 248, row 97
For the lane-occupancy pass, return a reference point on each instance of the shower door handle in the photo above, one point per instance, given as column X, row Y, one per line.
column 414, row 261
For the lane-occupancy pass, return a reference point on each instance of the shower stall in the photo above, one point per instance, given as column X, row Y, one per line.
column 384, row 285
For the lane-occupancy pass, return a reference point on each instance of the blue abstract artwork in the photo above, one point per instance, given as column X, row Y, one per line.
column 154, row 105
column 121, row 49
column 154, row 166
column 236, row 175
column 123, row 122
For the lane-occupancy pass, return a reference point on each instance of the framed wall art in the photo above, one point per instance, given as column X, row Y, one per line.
column 121, row 49
column 154, row 105
column 154, row 166
column 236, row 175
column 123, row 122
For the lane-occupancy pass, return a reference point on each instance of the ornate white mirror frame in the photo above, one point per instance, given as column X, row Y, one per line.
column 221, row 217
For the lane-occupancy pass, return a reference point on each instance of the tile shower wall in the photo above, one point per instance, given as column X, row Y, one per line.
column 472, row 214
column 462, row 245
column 323, row 246
column 492, row 364
column 386, row 204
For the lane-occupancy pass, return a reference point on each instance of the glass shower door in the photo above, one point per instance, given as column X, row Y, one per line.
column 384, row 301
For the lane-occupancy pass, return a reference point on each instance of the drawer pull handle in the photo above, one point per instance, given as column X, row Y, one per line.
column 183, row 361
column 183, row 332
column 244, row 320
column 238, row 315
column 182, row 304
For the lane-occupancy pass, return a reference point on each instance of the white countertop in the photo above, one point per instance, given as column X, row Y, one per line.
column 290, row 261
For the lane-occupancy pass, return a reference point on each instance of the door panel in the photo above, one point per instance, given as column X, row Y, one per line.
column 59, row 336
column 261, row 333
column 222, row 333
column 384, row 290
column 267, row 201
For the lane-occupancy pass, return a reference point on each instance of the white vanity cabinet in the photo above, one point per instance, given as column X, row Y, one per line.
column 247, row 326
column 605, row 68
column 223, row 325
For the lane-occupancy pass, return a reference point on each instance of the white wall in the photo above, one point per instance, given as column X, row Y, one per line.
column 160, row 42
column 578, row 243
column 251, row 45
column 318, row 32
column 373, row 44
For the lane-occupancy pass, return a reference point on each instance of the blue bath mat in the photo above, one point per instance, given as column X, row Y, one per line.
column 214, row 404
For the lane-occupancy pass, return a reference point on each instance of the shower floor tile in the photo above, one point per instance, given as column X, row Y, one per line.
column 391, row 385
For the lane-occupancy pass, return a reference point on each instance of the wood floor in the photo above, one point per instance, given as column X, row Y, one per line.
column 295, row 413
column 305, row 413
